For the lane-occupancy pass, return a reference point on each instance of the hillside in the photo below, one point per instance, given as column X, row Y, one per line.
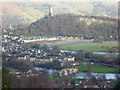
column 74, row 25
column 14, row 13
column 27, row 12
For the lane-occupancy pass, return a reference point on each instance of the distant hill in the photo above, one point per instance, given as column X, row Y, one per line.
column 74, row 25
column 28, row 12
column 17, row 13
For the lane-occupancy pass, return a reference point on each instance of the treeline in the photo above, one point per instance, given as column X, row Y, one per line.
column 100, row 18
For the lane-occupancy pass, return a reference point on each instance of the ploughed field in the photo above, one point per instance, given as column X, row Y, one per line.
column 90, row 47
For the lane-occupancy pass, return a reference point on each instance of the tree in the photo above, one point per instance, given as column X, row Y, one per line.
column 99, row 59
column 87, row 55
column 5, row 77
column 38, row 80
column 55, row 50
column 23, row 65
column 80, row 55
column 45, row 47
column 112, row 50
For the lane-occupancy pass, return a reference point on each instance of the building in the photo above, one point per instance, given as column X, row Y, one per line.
column 69, row 59
column 50, row 11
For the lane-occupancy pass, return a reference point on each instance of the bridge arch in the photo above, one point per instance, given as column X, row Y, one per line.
column 67, row 71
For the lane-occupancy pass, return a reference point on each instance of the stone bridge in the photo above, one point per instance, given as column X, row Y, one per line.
column 66, row 71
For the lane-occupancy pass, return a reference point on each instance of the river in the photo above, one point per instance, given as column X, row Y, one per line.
column 89, row 52
column 85, row 76
column 56, row 44
column 80, row 75
column 49, row 71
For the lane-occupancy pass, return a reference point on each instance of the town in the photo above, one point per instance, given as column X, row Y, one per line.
column 18, row 49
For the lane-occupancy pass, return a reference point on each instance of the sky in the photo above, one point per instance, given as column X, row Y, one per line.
column 60, row 0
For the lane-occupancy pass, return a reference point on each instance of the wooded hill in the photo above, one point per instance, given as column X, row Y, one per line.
column 74, row 25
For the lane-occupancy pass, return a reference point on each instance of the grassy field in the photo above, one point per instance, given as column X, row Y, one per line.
column 90, row 47
column 96, row 69
column 55, row 79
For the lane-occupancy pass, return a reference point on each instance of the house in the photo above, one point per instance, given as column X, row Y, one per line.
column 32, row 57
column 22, row 56
column 91, row 86
column 69, row 59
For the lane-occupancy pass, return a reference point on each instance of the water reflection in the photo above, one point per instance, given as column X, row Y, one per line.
column 97, row 75
column 49, row 71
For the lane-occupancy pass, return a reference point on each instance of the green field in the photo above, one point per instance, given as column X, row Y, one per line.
column 55, row 79
column 90, row 47
column 96, row 69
